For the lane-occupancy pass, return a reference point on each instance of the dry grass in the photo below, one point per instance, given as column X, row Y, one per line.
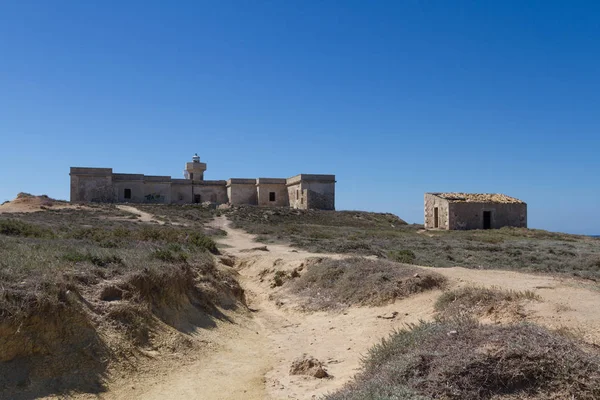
column 66, row 275
column 329, row 284
column 385, row 235
column 461, row 359
column 472, row 301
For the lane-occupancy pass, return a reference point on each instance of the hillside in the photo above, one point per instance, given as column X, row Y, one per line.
column 387, row 236
column 179, row 302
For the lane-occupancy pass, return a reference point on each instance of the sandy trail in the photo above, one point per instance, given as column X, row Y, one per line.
column 142, row 215
column 251, row 358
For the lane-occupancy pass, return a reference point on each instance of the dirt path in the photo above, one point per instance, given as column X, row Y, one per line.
column 251, row 358
column 142, row 215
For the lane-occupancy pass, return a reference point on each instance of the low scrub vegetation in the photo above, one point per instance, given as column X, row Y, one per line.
column 14, row 227
column 186, row 215
column 387, row 236
column 328, row 283
column 463, row 360
column 471, row 301
column 67, row 275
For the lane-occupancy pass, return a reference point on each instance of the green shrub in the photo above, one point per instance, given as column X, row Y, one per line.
column 169, row 256
column 203, row 242
column 13, row 227
column 402, row 256
column 99, row 260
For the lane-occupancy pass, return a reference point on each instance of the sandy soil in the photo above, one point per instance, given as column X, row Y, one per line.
column 250, row 359
column 24, row 203
column 142, row 215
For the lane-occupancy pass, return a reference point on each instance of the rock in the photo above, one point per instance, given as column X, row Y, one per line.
column 307, row 365
column 416, row 276
column 452, row 333
column 260, row 248
column 390, row 315
column 227, row 260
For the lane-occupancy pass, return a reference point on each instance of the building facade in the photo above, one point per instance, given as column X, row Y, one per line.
column 461, row 211
column 304, row 191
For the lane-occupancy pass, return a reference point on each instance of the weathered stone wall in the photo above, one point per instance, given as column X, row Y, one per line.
column 297, row 196
column 91, row 184
column 300, row 191
column 133, row 182
column 214, row 193
column 470, row 215
column 431, row 202
column 311, row 191
column 242, row 191
column 266, row 186
column 157, row 189
column 319, row 195
column 181, row 191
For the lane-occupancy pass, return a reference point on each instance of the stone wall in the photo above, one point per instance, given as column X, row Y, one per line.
column 242, row 191
column 431, row 202
column 300, row 191
column 91, row 184
column 157, row 189
column 320, row 195
column 132, row 182
column 470, row 215
column 297, row 196
column 181, row 191
column 308, row 191
column 266, row 186
column 215, row 192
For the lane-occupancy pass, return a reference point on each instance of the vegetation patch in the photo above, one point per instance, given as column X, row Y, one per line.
column 329, row 283
column 402, row 256
column 463, row 360
column 469, row 301
column 14, row 227
column 387, row 236
column 70, row 279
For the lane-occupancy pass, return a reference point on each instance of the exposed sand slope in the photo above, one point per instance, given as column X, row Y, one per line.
column 26, row 203
column 251, row 358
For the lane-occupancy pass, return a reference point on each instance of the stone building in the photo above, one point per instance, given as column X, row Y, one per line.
column 302, row 191
column 454, row 211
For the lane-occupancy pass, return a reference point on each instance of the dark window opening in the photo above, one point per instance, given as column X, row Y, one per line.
column 487, row 220
column 191, row 175
column 436, row 218
column 297, row 194
column 127, row 193
column 271, row 196
column 197, row 198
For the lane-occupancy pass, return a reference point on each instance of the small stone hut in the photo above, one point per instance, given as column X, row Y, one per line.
column 461, row 211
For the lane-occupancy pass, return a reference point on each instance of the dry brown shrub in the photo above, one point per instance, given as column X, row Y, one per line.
column 329, row 283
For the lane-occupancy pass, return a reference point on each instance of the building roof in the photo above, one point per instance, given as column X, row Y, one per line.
column 478, row 198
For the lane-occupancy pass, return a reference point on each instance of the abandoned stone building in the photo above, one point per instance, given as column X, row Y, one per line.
column 304, row 191
column 456, row 211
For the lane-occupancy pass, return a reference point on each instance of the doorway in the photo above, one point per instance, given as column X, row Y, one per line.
column 197, row 199
column 487, row 220
column 436, row 218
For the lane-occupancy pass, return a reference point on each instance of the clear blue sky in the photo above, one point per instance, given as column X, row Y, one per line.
column 394, row 97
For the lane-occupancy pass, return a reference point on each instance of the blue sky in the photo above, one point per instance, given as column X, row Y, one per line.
column 396, row 98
